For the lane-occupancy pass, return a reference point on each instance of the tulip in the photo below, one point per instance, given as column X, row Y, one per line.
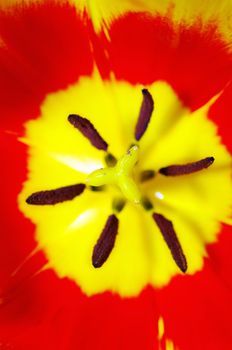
column 116, row 206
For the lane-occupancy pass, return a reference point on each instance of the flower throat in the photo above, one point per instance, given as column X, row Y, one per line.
column 120, row 173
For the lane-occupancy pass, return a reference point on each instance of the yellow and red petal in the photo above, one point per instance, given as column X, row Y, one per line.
column 67, row 233
column 220, row 113
column 44, row 311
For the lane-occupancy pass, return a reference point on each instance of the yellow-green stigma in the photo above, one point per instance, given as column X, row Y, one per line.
column 119, row 175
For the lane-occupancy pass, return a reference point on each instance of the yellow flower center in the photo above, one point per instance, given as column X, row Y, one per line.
column 59, row 156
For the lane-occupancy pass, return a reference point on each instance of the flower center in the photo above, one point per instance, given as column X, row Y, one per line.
column 80, row 227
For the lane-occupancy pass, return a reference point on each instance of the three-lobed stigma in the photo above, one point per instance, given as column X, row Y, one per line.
column 119, row 175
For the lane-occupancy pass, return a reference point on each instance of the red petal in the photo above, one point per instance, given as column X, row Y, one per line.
column 48, row 313
column 197, row 309
column 45, row 48
column 193, row 59
column 16, row 232
column 44, row 312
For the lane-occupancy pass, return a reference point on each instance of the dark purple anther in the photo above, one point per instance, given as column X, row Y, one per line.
column 175, row 170
column 105, row 242
column 58, row 195
column 144, row 114
column 170, row 237
column 88, row 130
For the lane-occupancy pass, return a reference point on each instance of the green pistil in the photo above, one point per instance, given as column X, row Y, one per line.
column 119, row 175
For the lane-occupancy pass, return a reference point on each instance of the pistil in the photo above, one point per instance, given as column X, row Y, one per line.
column 119, row 175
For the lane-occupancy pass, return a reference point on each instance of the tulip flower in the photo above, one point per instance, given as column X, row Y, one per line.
column 116, row 175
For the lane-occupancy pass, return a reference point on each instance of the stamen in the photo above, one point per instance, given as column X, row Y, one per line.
column 58, row 195
column 146, row 203
column 105, row 242
column 118, row 204
column 170, row 237
column 175, row 170
column 110, row 160
column 97, row 188
column 144, row 114
column 146, row 175
column 88, row 130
